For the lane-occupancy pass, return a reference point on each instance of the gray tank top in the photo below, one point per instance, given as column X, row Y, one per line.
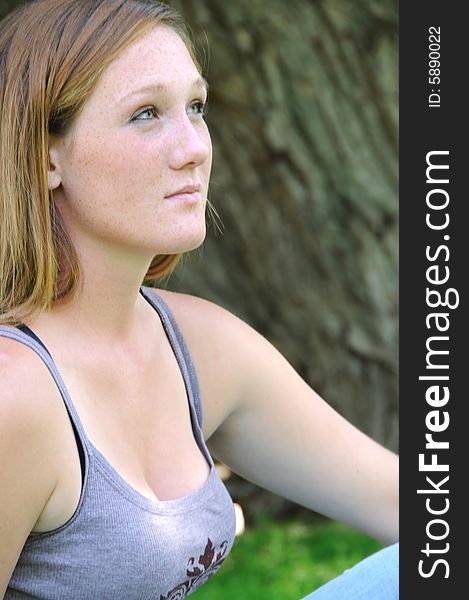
column 120, row 545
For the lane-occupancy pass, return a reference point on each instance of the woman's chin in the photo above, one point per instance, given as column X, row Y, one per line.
column 196, row 242
column 191, row 241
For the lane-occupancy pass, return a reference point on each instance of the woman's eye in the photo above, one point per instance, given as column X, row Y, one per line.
column 196, row 108
column 199, row 108
column 146, row 115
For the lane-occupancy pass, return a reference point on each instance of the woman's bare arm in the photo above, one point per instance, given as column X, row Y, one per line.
column 269, row 426
column 27, row 476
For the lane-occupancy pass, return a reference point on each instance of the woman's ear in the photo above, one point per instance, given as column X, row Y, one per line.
column 54, row 178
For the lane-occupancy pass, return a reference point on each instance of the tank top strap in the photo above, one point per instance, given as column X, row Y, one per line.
column 23, row 336
column 179, row 347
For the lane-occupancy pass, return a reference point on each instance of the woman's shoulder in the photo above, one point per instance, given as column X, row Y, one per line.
column 219, row 343
column 32, row 414
column 29, row 421
column 19, row 366
column 28, row 398
column 17, row 360
column 196, row 317
column 182, row 302
column 212, row 330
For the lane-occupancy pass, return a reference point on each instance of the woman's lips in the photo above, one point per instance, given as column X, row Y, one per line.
column 189, row 194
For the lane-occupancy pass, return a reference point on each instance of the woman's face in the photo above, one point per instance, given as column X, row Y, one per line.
column 139, row 139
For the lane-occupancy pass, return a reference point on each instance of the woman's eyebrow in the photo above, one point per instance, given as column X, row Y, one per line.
column 200, row 82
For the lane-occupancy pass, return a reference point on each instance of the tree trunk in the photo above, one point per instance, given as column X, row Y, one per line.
column 303, row 115
column 304, row 120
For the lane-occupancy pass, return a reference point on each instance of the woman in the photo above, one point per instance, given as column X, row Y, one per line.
column 107, row 489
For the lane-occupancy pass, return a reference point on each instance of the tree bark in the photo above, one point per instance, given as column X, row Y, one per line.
column 303, row 115
column 304, row 120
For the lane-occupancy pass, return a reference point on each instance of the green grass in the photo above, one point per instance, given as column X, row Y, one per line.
column 286, row 560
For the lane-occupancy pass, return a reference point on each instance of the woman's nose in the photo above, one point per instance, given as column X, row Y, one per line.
column 190, row 143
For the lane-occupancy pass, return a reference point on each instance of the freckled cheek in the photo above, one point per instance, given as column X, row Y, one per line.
column 122, row 171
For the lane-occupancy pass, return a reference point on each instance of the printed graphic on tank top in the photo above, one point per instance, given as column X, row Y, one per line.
column 120, row 544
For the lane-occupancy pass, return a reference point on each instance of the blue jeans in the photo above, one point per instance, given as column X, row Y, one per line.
column 374, row 578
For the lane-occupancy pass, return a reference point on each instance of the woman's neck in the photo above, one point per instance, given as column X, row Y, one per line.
column 107, row 305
